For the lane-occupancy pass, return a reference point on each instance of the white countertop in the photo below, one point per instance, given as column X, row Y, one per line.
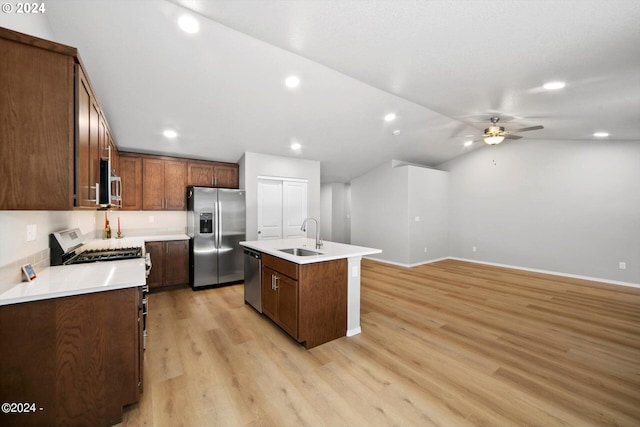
column 68, row 280
column 328, row 252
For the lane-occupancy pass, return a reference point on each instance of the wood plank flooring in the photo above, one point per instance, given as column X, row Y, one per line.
column 445, row 344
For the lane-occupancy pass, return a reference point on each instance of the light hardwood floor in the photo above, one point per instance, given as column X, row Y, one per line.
column 446, row 344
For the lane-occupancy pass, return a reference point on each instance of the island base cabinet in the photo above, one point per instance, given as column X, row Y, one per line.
column 308, row 301
column 77, row 359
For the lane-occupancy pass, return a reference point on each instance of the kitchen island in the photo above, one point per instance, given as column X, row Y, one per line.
column 313, row 297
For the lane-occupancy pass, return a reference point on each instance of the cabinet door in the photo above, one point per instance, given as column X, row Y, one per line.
column 176, row 262
column 287, row 304
column 269, row 295
column 226, row 176
column 175, row 178
column 152, row 184
column 37, row 128
column 156, row 252
column 115, row 158
column 103, row 137
column 130, row 170
column 200, row 174
column 88, row 143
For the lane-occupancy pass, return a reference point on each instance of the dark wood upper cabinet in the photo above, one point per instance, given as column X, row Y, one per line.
column 213, row 174
column 53, row 134
column 163, row 183
column 37, row 124
column 53, row 131
column 130, row 172
column 87, row 142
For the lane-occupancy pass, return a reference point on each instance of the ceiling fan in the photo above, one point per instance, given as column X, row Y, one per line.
column 494, row 134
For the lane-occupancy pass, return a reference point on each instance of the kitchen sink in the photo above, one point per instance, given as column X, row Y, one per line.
column 300, row 252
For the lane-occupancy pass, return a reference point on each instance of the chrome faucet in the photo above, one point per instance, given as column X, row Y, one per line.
column 304, row 228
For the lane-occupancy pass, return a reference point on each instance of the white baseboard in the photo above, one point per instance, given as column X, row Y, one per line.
column 556, row 273
column 516, row 267
column 354, row 331
column 399, row 264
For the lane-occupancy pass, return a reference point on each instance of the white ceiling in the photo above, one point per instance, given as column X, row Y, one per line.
column 443, row 67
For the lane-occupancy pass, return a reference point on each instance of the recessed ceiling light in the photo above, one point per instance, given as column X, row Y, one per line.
column 389, row 117
column 292, row 81
column 169, row 133
column 601, row 134
column 296, row 146
column 554, row 85
column 468, row 143
column 188, row 24
column 396, row 132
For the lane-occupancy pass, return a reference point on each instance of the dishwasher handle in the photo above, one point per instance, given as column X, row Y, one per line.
column 253, row 254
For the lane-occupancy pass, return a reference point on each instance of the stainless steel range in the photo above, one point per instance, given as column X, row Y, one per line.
column 94, row 255
column 67, row 247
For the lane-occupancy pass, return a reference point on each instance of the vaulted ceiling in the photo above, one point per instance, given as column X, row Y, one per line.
column 442, row 67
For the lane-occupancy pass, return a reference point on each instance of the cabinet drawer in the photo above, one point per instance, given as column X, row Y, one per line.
column 280, row 265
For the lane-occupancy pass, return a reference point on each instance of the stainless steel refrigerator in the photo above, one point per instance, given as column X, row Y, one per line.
column 216, row 226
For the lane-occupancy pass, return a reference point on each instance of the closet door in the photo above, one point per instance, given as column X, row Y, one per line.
column 269, row 209
column 282, row 207
column 294, row 208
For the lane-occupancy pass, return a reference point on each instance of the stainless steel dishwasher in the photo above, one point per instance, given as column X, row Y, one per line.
column 253, row 278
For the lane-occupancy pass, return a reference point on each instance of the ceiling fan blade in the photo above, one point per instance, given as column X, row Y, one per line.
column 509, row 136
column 528, row 129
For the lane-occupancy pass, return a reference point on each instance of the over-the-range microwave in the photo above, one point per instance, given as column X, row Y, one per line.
column 110, row 192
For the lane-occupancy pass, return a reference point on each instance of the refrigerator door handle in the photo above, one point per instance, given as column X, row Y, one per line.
column 219, row 225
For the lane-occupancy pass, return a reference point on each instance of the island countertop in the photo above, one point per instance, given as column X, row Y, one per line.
column 328, row 252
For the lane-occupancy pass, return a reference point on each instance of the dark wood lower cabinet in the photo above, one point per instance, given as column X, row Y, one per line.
column 77, row 359
column 308, row 301
column 169, row 263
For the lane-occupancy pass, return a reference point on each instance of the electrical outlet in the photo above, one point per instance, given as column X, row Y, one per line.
column 31, row 232
column 622, row 265
column 152, row 219
column 417, row 219
column 474, row 249
column 425, row 249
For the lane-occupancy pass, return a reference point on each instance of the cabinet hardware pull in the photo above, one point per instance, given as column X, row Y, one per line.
column 97, row 187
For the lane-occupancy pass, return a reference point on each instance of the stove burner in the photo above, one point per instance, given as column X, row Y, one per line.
column 94, row 255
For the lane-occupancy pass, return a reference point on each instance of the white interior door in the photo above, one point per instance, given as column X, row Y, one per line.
column 294, row 208
column 269, row 209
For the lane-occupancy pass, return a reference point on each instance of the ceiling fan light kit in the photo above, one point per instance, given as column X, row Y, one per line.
column 493, row 140
column 494, row 134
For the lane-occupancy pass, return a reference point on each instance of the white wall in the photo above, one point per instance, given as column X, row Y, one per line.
column 379, row 212
column 335, row 211
column 253, row 165
column 401, row 209
column 16, row 251
column 429, row 201
column 326, row 220
column 565, row 206
column 35, row 24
